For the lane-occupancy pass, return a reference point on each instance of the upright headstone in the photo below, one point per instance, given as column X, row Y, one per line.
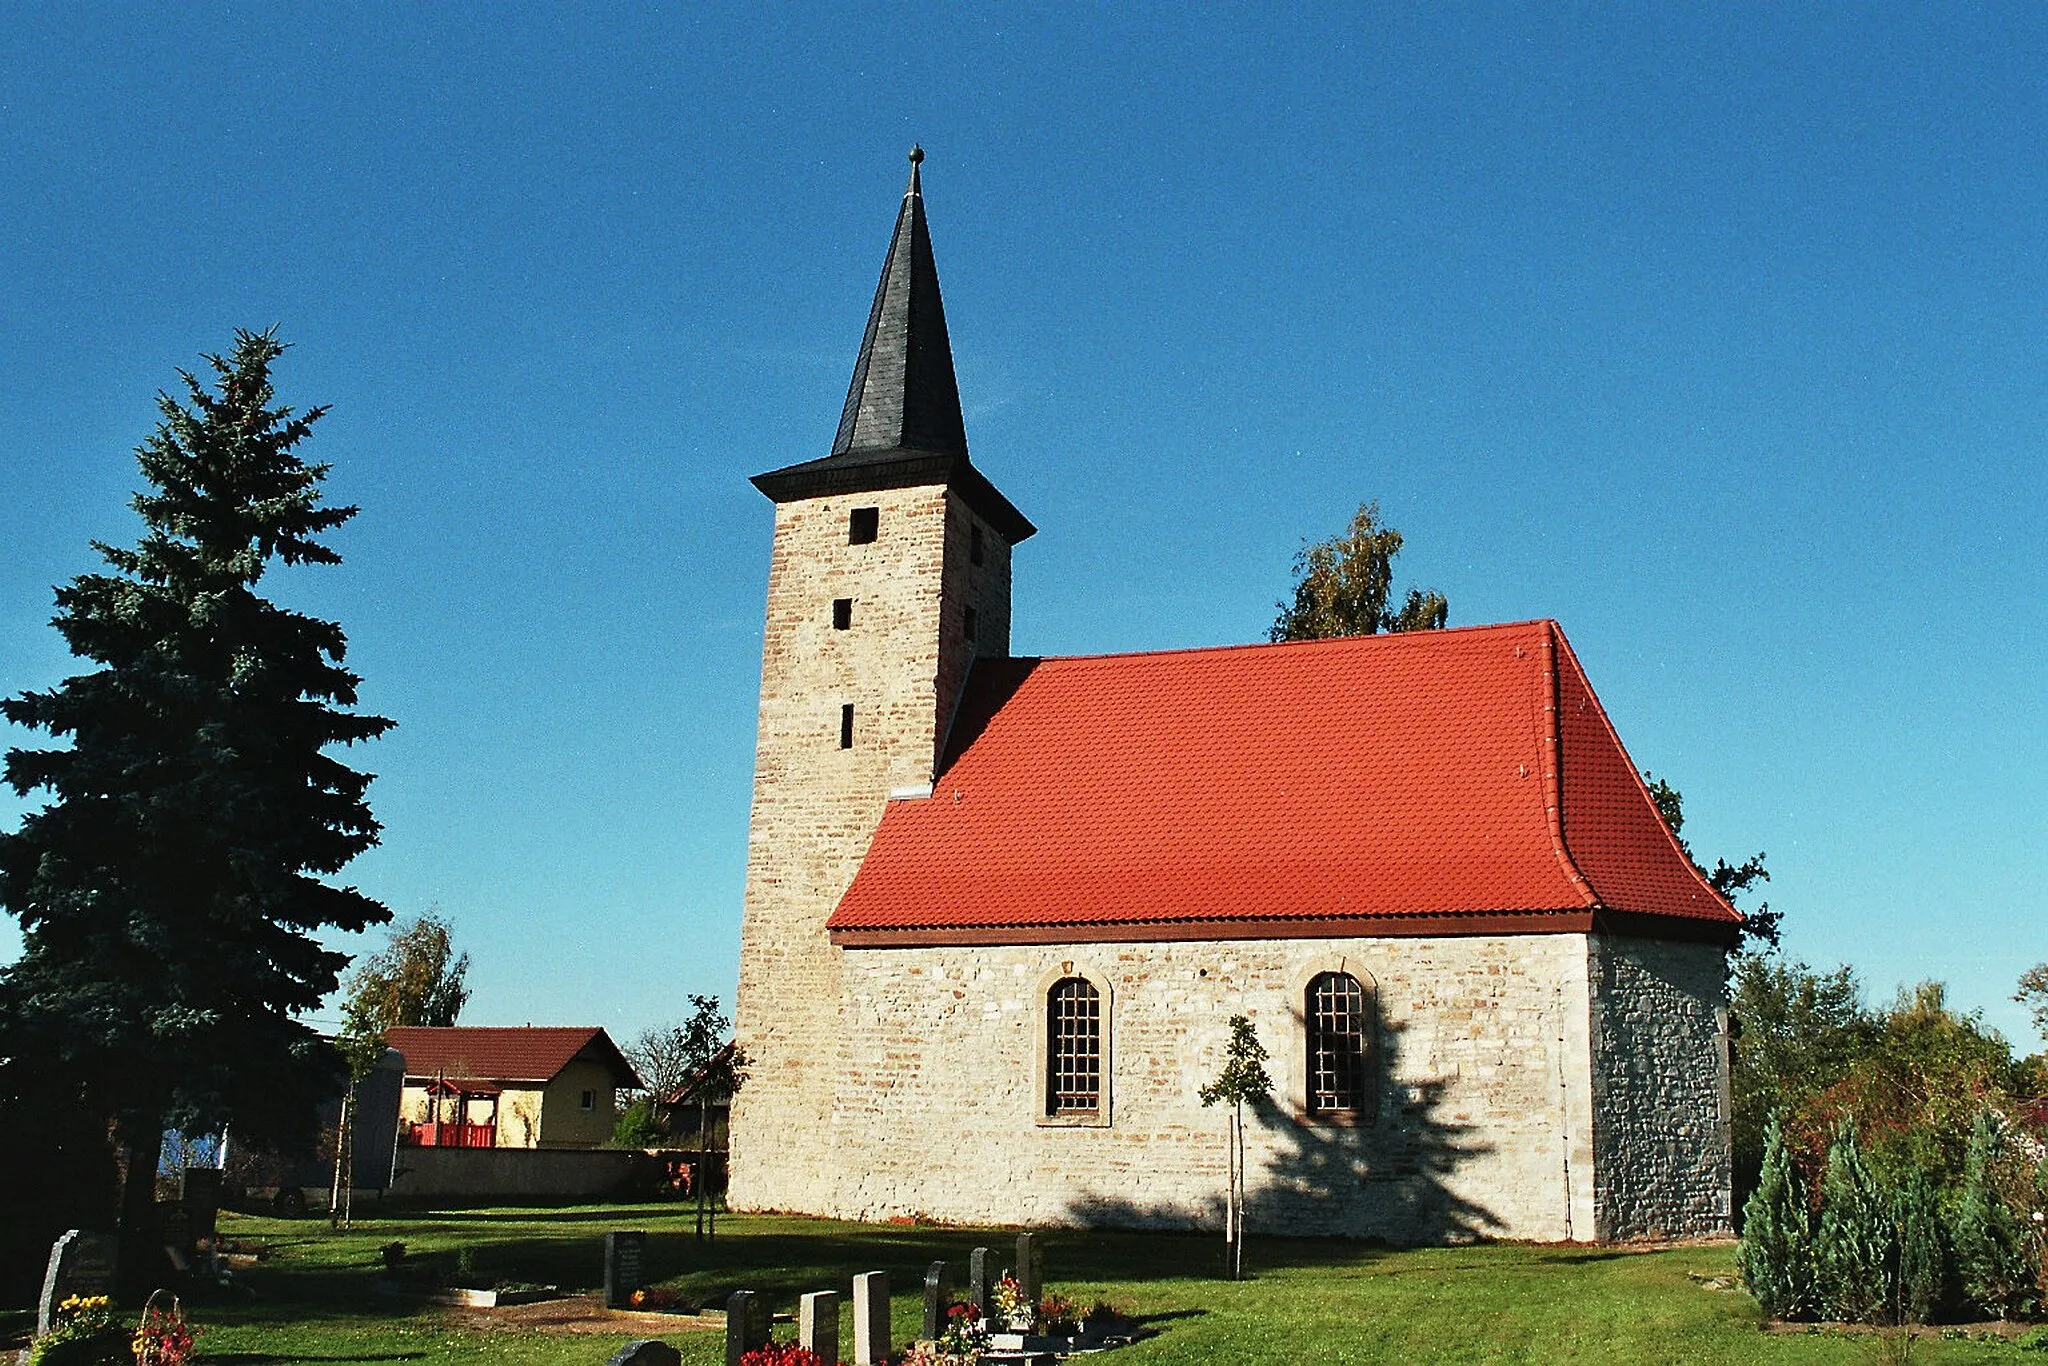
column 81, row 1263
column 1030, row 1268
column 646, row 1352
column 199, row 1192
column 934, row 1301
column 979, row 1281
column 746, row 1325
column 870, row 1318
column 817, row 1324
column 623, row 1255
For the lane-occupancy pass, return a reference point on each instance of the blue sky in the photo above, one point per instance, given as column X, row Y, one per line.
column 1717, row 336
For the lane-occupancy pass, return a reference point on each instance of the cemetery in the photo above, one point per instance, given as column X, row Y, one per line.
column 632, row 1284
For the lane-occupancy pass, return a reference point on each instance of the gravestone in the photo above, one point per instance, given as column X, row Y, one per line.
column 746, row 1325
column 1030, row 1268
column 646, row 1352
column 199, row 1193
column 81, row 1263
column 870, row 1318
column 979, row 1282
column 817, row 1324
column 934, row 1301
column 623, row 1255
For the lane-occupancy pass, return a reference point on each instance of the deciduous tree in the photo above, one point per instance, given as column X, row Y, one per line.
column 1344, row 587
column 171, row 889
column 1242, row 1080
column 417, row 978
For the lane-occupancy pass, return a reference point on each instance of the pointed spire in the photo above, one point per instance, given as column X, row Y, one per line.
column 903, row 395
column 901, row 426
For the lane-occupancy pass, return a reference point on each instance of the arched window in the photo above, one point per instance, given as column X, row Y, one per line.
column 1341, row 1029
column 1073, row 1048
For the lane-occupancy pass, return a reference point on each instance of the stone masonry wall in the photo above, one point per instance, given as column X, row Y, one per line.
column 1483, row 1125
column 1660, row 1088
column 816, row 805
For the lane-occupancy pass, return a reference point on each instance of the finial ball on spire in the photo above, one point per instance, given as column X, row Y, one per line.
column 916, row 154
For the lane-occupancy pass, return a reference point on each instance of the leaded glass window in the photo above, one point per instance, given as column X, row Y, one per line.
column 1073, row 1048
column 1340, row 1046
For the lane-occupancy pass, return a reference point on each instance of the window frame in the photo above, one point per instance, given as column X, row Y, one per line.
column 1040, row 1087
column 864, row 525
column 1370, row 1082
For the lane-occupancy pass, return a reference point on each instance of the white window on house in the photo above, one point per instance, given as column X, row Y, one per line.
column 590, row 1100
column 1073, row 1048
column 1342, row 1015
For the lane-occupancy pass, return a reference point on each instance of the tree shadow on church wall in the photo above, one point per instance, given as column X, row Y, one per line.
column 1389, row 1177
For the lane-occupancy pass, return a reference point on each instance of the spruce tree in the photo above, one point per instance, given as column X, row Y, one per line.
column 1856, row 1248
column 170, row 890
column 1991, row 1253
column 1924, row 1275
column 1776, row 1253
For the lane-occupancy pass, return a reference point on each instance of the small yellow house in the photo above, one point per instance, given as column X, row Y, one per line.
column 526, row 1087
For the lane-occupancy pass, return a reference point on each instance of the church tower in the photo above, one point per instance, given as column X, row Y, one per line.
column 889, row 574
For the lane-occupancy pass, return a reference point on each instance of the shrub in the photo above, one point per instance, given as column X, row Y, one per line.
column 1991, row 1253
column 1855, row 1248
column 1776, row 1255
column 1923, row 1284
column 639, row 1126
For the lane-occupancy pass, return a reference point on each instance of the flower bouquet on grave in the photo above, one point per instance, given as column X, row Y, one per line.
column 1013, row 1311
column 82, row 1333
column 1056, row 1317
column 965, row 1336
column 163, row 1338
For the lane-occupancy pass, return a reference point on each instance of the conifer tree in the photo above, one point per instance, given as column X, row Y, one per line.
column 1856, row 1246
column 1923, row 1250
column 170, row 890
column 1991, row 1254
column 1776, row 1253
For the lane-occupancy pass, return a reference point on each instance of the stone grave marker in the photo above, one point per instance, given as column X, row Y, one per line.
column 870, row 1318
column 81, row 1263
column 1030, row 1268
column 817, row 1324
column 646, row 1352
column 199, row 1193
column 935, row 1301
column 979, row 1282
column 623, row 1256
column 746, row 1325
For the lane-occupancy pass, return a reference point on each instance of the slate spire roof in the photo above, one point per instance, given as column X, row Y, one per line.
column 902, row 425
column 903, row 395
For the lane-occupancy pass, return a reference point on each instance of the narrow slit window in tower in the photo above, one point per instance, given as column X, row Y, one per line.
column 842, row 613
column 863, row 525
column 975, row 553
column 971, row 623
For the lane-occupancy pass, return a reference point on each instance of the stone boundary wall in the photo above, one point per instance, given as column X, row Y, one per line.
column 1483, row 1124
column 1660, row 1088
column 521, row 1173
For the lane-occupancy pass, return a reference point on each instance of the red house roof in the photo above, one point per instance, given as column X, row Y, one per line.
column 1439, row 782
column 478, row 1053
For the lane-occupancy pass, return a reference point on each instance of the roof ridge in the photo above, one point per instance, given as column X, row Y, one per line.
column 1383, row 639
column 1552, row 742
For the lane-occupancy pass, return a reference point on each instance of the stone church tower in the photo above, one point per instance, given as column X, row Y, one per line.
column 890, row 573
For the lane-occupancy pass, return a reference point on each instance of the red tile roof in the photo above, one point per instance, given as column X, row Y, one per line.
column 478, row 1053
column 1365, row 785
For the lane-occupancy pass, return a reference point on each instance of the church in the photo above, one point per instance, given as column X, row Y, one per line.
column 1000, row 910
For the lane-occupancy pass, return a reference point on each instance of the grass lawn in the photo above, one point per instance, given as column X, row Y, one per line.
column 1311, row 1300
